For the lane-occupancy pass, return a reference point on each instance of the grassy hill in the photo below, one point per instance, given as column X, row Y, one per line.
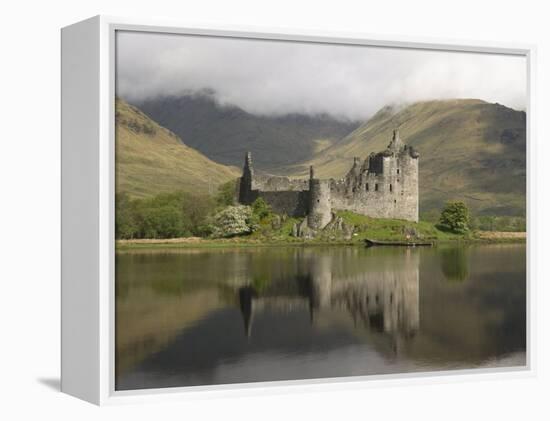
column 151, row 159
column 225, row 133
column 469, row 150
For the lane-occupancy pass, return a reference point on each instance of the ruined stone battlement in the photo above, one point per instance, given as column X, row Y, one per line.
column 384, row 185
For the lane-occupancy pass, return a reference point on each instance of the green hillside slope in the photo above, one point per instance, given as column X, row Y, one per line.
column 225, row 133
column 469, row 150
column 150, row 159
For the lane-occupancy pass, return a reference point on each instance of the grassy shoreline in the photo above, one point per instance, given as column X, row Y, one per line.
column 488, row 237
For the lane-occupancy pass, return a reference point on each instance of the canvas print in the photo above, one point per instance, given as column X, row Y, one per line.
column 298, row 210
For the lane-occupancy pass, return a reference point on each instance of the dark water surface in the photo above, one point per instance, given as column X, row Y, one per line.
column 213, row 316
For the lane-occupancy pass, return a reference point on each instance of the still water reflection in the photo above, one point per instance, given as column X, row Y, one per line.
column 200, row 317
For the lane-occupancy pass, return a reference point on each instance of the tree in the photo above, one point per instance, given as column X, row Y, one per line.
column 161, row 216
column 226, row 193
column 125, row 223
column 195, row 211
column 455, row 217
column 162, row 222
column 261, row 208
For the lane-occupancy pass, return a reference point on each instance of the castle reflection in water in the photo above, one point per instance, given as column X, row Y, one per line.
column 384, row 299
column 196, row 317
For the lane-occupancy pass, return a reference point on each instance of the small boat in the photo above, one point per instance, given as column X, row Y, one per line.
column 372, row 243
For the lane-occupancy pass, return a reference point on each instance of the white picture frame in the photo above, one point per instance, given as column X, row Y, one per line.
column 88, row 128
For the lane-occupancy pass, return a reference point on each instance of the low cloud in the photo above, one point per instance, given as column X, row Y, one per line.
column 278, row 77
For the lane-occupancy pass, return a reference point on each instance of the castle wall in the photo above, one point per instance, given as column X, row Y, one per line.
column 291, row 203
column 284, row 195
column 277, row 184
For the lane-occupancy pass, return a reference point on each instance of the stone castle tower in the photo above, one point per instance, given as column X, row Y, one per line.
column 384, row 185
column 319, row 209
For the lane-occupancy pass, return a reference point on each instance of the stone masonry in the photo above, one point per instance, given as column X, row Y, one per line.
column 384, row 185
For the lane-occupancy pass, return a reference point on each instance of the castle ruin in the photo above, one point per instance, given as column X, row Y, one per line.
column 384, row 185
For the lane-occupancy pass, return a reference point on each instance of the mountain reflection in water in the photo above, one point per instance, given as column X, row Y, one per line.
column 200, row 317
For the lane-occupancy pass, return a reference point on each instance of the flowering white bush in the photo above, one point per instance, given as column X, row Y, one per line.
column 232, row 221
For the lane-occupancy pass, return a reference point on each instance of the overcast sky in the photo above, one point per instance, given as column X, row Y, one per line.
column 274, row 77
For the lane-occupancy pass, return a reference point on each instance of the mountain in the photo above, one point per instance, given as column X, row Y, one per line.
column 225, row 133
column 150, row 159
column 469, row 150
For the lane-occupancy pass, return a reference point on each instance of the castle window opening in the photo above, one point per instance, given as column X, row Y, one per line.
column 367, row 187
column 398, row 171
column 391, row 188
column 376, row 187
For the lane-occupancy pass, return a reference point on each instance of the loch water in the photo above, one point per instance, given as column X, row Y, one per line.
column 187, row 317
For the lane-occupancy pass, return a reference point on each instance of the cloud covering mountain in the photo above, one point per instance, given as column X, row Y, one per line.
column 280, row 77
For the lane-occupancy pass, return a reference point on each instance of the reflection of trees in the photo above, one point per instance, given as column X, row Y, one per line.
column 246, row 294
column 454, row 263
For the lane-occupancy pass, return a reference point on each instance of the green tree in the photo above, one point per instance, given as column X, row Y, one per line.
column 195, row 210
column 166, row 215
column 162, row 222
column 160, row 216
column 261, row 208
column 226, row 193
column 126, row 226
column 455, row 217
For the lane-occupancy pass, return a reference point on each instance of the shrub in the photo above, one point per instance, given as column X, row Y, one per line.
column 232, row 221
column 455, row 217
column 261, row 208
